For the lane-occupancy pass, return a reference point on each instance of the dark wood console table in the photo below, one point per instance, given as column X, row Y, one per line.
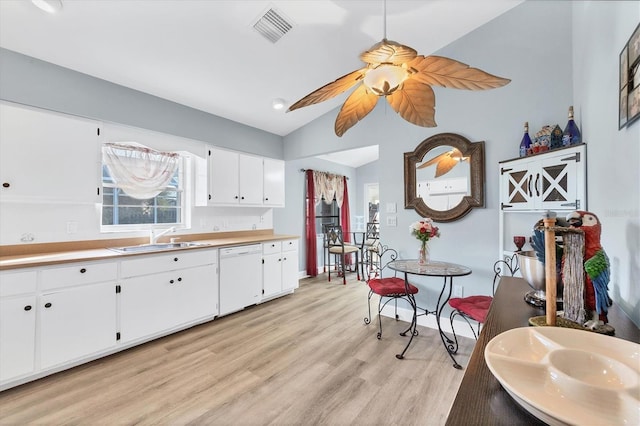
column 481, row 400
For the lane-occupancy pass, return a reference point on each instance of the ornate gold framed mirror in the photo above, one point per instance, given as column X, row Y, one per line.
column 444, row 177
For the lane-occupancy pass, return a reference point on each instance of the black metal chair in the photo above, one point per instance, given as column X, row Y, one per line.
column 475, row 308
column 388, row 288
column 368, row 247
column 336, row 246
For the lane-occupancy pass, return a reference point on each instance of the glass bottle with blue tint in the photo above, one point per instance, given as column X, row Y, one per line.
column 571, row 134
column 525, row 144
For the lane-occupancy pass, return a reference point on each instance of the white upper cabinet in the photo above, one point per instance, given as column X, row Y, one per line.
column 273, row 183
column 550, row 181
column 247, row 180
column 48, row 157
column 224, row 179
column 251, row 180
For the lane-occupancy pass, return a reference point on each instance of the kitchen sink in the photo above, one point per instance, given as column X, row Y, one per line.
column 144, row 248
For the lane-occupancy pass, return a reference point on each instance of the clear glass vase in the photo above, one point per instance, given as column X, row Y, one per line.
column 423, row 254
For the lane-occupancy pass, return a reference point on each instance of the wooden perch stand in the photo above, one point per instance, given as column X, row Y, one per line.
column 550, row 269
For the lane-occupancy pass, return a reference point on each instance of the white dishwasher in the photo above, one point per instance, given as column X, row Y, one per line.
column 240, row 277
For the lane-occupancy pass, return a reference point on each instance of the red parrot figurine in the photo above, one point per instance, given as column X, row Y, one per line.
column 596, row 267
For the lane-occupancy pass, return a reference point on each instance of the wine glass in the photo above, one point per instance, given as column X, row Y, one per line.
column 519, row 241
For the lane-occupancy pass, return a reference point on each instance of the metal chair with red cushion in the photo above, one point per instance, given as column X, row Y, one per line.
column 388, row 288
column 475, row 308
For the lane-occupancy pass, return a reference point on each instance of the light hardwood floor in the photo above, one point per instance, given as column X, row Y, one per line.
column 303, row 359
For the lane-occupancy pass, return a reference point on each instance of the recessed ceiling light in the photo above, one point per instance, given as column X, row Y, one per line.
column 277, row 103
column 50, row 6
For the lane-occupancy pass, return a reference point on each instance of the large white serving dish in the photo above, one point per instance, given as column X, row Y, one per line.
column 569, row 377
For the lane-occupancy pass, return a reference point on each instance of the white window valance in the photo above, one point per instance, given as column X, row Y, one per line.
column 327, row 187
column 139, row 171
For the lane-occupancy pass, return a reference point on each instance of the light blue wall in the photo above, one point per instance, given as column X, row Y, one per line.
column 29, row 81
column 600, row 30
column 531, row 45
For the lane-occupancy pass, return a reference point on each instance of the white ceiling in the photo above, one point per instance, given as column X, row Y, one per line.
column 353, row 157
column 206, row 54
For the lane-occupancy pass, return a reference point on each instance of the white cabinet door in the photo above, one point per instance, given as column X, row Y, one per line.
column 273, row 183
column 290, row 278
column 517, row 191
column 48, row 156
column 289, row 270
column 223, row 176
column 196, row 294
column 76, row 322
column 271, row 275
column 559, row 178
column 250, row 180
column 17, row 336
column 146, row 305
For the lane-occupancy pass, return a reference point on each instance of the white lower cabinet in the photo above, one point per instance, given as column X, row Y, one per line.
column 279, row 267
column 290, row 279
column 151, row 304
column 17, row 336
column 54, row 317
column 76, row 322
column 271, row 269
column 186, row 290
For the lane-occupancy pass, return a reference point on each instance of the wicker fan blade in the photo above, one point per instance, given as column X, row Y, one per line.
column 445, row 72
column 330, row 90
column 433, row 161
column 355, row 108
column 445, row 165
column 455, row 153
column 388, row 51
column 415, row 102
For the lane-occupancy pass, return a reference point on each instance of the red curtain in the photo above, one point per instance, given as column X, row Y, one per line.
column 345, row 214
column 345, row 218
column 312, row 255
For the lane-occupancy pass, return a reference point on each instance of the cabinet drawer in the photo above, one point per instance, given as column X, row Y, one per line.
column 271, row 247
column 167, row 262
column 22, row 282
column 290, row 245
column 78, row 273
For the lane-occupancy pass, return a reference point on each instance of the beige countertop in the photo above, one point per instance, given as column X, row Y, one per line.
column 28, row 255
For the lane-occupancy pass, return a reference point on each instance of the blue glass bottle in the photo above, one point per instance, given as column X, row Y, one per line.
column 525, row 144
column 571, row 134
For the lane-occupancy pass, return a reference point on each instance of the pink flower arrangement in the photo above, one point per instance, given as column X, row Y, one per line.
column 424, row 230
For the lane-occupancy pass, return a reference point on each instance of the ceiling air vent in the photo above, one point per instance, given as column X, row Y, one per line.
column 272, row 25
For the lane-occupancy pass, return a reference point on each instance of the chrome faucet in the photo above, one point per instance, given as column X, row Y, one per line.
column 153, row 237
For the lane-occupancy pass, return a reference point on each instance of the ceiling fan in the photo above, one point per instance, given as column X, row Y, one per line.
column 404, row 78
column 445, row 161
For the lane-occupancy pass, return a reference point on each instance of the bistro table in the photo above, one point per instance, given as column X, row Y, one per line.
column 481, row 400
column 432, row 268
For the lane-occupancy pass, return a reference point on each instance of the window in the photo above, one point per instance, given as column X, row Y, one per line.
column 327, row 214
column 122, row 210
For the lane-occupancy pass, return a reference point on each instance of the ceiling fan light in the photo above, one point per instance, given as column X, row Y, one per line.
column 385, row 79
column 49, row 6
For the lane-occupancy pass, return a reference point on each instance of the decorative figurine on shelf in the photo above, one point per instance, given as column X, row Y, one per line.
column 596, row 268
column 556, row 137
